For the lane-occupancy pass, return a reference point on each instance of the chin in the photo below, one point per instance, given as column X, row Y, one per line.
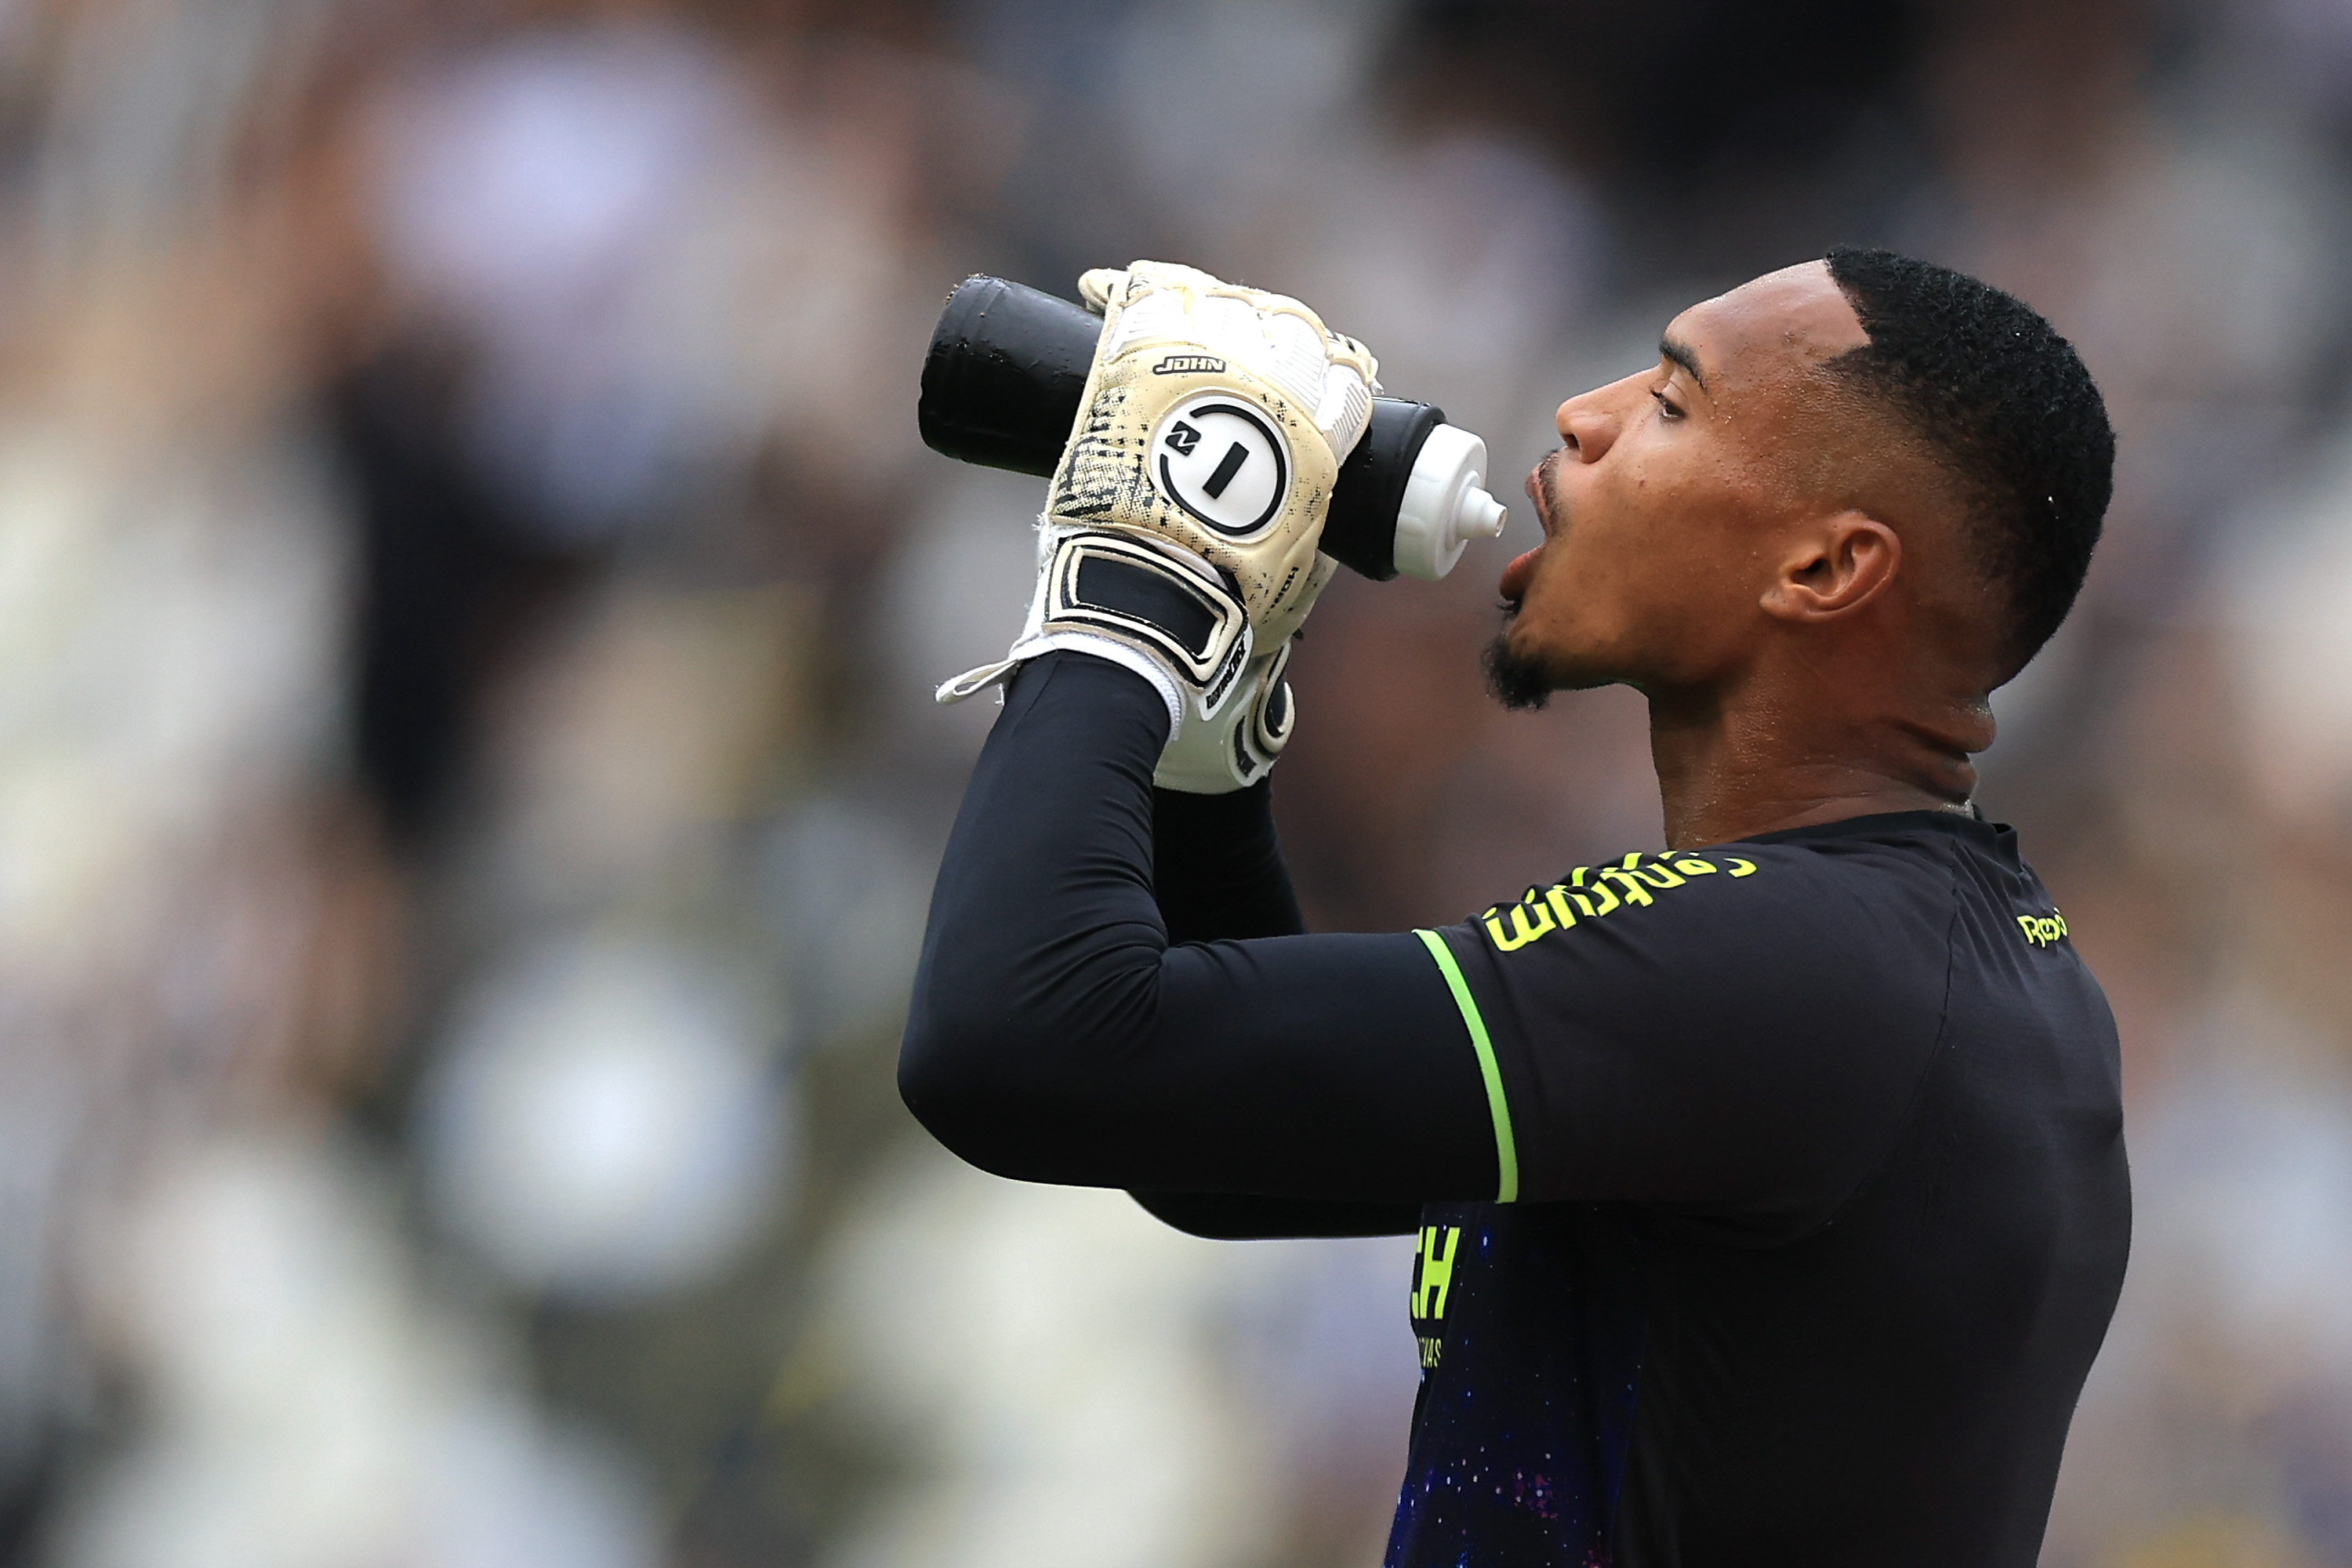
column 1516, row 678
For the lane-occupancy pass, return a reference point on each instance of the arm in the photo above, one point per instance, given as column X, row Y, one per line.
column 1056, row 1035
column 1223, row 1217
column 1217, row 872
column 1734, row 1033
column 1216, row 866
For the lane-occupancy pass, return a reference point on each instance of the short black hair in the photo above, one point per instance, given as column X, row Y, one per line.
column 2005, row 404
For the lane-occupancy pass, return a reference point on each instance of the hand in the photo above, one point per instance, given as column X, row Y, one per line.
column 1215, row 416
column 1179, row 533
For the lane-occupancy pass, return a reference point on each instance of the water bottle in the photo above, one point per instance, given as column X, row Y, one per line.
column 1007, row 367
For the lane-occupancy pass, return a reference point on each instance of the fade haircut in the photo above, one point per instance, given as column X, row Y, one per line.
column 2002, row 402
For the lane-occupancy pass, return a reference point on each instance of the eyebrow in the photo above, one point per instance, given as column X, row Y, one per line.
column 1681, row 353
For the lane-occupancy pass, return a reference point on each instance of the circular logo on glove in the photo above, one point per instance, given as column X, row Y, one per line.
column 1223, row 462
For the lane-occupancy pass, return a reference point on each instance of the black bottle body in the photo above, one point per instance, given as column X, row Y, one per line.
column 1007, row 368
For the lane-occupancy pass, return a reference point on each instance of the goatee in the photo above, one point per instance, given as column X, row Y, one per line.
column 1515, row 680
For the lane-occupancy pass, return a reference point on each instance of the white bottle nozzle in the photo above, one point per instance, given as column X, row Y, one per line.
column 1445, row 505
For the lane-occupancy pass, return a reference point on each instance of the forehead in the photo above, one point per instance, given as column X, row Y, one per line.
column 1784, row 321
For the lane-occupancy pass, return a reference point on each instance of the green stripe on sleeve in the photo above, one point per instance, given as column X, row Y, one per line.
column 1507, row 1154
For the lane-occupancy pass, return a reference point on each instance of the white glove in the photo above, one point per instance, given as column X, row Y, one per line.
column 1238, row 746
column 1178, row 535
column 1216, row 416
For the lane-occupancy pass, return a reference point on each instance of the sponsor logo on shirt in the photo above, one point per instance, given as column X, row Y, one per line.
column 1590, row 895
column 2043, row 931
column 1432, row 1281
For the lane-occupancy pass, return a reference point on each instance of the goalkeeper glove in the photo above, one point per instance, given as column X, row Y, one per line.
column 1179, row 533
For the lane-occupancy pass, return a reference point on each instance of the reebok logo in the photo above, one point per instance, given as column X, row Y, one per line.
column 2043, row 929
column 1189, row 364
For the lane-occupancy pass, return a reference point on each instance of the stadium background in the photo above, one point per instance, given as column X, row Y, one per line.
column 469, row 591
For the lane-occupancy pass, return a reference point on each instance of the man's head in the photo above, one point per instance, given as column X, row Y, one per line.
column 1866, row 467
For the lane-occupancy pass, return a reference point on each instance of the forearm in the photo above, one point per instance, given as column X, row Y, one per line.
column 1217, row 870
column 1056, row 1035
column 1043, row 924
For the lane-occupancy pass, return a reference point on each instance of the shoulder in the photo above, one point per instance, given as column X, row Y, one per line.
column 1884, row 889
column 1741, row 1026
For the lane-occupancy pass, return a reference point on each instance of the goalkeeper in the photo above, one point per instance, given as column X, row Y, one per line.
column 1771, row 1191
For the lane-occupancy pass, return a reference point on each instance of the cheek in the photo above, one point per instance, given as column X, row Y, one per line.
column 1621, row 527
column 1588, row 591
column 1660, row 554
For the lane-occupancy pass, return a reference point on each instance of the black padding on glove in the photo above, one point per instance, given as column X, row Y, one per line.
column 1119, row 587
column 1277, row 722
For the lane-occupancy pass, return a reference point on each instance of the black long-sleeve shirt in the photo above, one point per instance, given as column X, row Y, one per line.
column 1771, row 1198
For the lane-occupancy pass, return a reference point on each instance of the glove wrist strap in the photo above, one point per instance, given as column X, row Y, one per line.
column 1141, row 605
column 1132, row 590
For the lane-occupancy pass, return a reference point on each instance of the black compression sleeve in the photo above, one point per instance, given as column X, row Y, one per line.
column 1217, row 873
column 1216, row 865
column 1055, row 1034
column 1222, row 1216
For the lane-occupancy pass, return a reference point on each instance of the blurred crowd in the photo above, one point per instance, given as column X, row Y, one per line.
column 469, row 594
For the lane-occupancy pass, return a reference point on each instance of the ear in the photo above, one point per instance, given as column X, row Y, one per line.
column 1836, row 566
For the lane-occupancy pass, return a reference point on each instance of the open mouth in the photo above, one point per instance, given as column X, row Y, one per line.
column 1521, row 571
column 1515, row 577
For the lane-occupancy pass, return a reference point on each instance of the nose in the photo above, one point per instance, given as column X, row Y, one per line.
column 1589, row 422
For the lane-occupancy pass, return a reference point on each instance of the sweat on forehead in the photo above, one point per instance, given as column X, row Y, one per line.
column 1798, row 313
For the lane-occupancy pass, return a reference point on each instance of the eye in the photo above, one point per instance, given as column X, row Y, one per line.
column 1667, row 409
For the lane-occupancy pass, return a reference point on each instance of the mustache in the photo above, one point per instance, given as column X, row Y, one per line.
column 1547, row 478
column 1545, row 496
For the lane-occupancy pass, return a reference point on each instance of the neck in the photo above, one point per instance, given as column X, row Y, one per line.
column 1732, row 769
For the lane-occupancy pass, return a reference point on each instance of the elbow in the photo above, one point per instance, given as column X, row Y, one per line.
column 1009, row 1072
column 959, row 1078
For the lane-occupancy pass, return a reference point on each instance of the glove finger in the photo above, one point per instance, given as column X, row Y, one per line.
column 1345, row 410
column 1176, row 275
column 1228, row 316
column 1098, row 287
column 1211, row 298
column 1352, row 352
